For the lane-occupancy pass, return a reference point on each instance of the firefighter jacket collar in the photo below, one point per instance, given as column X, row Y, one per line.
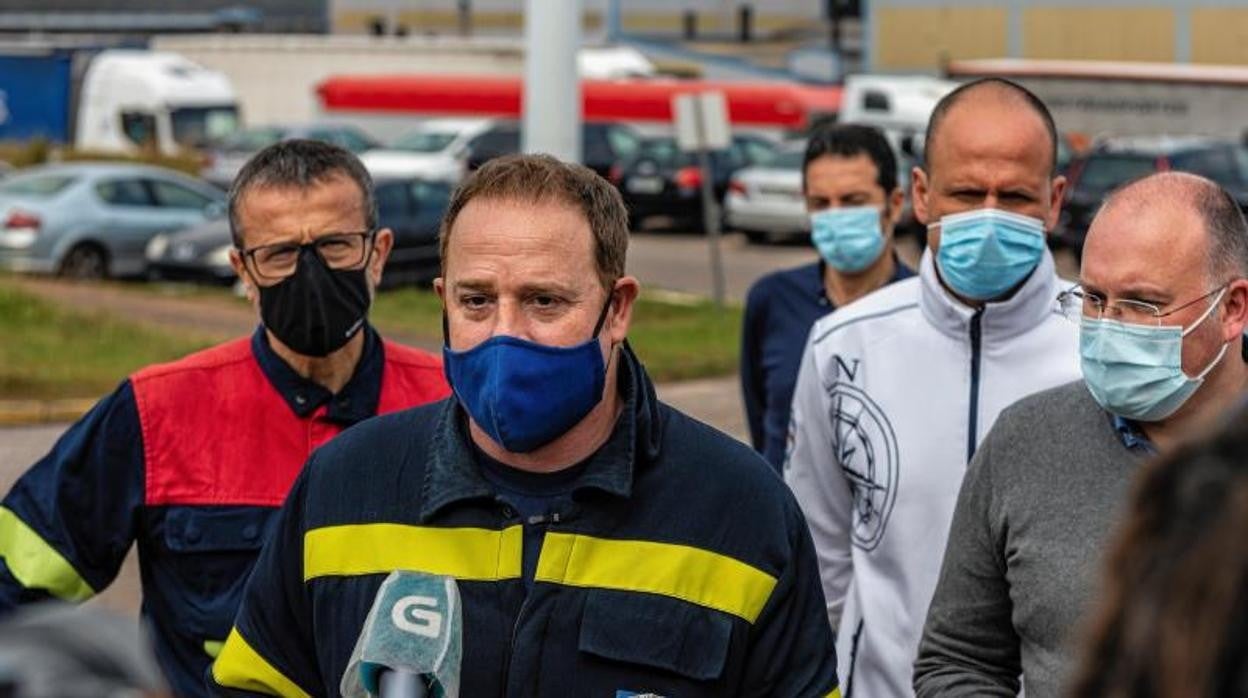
column 356, row 401
column 453, row 474
column 1022, row 312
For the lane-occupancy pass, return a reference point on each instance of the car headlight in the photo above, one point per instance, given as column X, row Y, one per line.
column 156, row 247
column 220, row 257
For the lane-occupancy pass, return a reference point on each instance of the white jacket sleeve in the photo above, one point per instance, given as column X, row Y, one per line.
column 814, row 474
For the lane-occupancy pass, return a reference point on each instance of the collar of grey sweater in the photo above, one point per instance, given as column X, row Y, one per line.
column 1035, row 302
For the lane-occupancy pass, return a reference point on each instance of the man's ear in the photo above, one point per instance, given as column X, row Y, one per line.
column 383, row 242
column 919, row 189
column 1057, row 194
column 620, row 317
column 896, row 201
column 240, row 268
column 1235, row 313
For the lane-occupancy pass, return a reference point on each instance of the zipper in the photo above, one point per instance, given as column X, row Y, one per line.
column 515, row 626
column 976, row 339
column 853, row 658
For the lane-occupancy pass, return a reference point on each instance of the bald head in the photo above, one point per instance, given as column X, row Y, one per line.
column 1223, row 231
column 997, row 95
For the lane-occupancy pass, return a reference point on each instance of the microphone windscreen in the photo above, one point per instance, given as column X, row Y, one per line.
column 415, row 626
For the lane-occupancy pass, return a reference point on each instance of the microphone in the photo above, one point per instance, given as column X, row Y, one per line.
column 410, row 645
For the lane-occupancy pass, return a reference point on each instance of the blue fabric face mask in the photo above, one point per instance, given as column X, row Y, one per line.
column 524, row 394
column 849, row 238
column 1136, row 371
column 986, row 252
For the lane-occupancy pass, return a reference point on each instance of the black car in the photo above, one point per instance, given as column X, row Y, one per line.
column 663, row 180
column 602, row 144
column 1115, row 162
column 412, row 208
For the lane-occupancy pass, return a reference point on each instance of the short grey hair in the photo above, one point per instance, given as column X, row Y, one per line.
column 1228, row 232
column 1223, row 220
column 299, row 163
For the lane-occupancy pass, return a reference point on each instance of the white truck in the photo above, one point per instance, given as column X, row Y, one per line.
column 112, row 100
column 1094, row 99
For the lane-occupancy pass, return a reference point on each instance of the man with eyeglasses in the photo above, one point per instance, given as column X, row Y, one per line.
column 191, row 459
column 898, row 388
column 1161, row 309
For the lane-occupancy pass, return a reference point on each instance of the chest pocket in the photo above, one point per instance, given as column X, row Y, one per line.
column 648, row 631
column 211, row 550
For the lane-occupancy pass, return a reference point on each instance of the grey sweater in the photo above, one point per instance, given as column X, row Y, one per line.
column 1024, row 556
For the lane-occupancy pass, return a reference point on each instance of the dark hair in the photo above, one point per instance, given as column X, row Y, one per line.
column 1010, row 87
column 299, row 163
column 542, row 178
column 848, row 140
column 1173, row 617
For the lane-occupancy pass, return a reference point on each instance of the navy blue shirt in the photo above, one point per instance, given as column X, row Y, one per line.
column 537, row 499
column 780, row 309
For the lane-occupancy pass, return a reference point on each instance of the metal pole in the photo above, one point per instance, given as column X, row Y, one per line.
column 710, row 212
column 615, row 21
column 552, row 85
column 834, row 18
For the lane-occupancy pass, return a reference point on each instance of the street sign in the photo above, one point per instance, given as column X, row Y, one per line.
column 702, row 121
column 702, row 127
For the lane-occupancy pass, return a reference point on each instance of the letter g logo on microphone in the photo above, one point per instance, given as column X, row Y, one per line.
column 410, row 615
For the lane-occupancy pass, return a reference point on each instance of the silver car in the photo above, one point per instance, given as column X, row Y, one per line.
column 765, row 201
column 92, row 220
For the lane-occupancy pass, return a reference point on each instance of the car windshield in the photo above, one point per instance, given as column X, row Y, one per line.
column 785, row 160
column 667, row 152
column 196, row 127
column 1104, row 172
column 425, row 141
column 41, row 186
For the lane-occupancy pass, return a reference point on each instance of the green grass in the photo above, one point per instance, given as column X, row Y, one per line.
column 47, row 351
column 676, row 339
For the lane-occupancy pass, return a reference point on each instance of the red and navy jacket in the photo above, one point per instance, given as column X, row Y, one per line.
column 190, row 460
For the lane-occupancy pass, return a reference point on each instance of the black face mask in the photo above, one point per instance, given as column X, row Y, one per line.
column 316, row 310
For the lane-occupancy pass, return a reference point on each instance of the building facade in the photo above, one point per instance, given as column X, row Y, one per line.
column 923, row 35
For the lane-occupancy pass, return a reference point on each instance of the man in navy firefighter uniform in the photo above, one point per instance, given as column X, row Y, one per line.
column 191, row 459
column 602, row 542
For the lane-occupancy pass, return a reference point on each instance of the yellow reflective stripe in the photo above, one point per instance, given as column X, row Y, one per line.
column 836, row 693
column 212, row 648
column 691, row 574
column 36, row 564
column 241, row 667
column 475, row 554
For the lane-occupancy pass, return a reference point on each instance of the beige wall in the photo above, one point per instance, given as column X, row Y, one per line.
column 910, row 36
column 1220, row 35
column 920, row 38
column 1099, row 33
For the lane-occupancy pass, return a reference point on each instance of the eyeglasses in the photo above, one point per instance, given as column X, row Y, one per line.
column 1076, row 304
column 338, row 251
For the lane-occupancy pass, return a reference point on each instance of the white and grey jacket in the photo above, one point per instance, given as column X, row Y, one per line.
column 894, row 394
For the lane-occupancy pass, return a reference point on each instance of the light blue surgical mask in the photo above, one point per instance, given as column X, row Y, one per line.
column 1136, row 371
column 985, row 253
column 850, row 238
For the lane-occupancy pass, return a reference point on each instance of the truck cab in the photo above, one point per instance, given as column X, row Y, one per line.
column 131, row 100
column 899, row 105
